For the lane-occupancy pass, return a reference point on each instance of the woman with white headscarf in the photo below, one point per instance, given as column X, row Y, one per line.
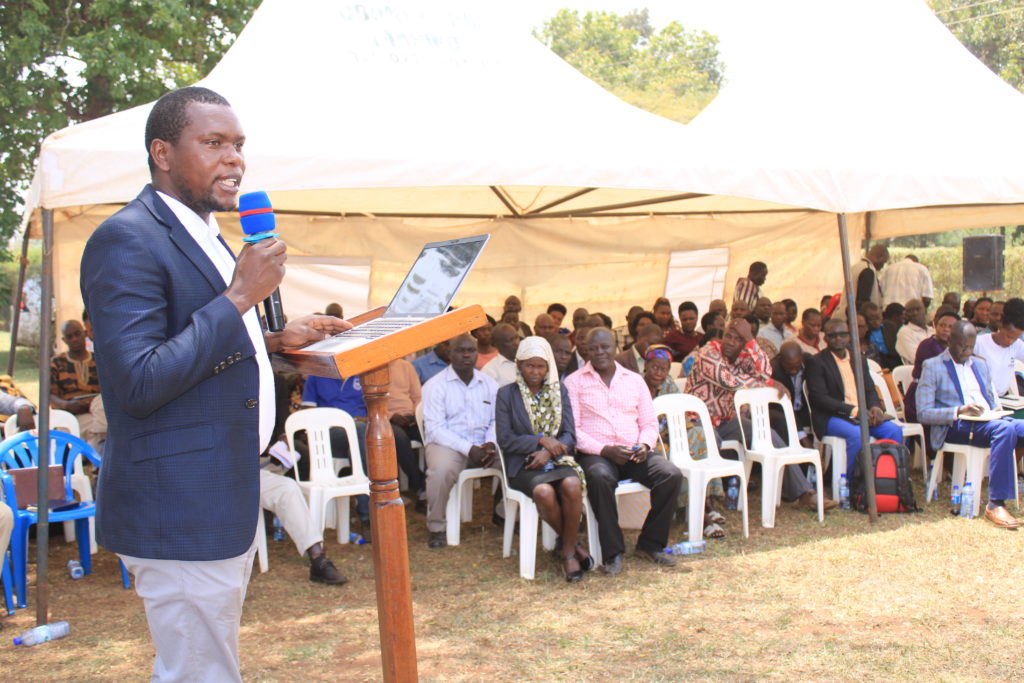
column 536, row 435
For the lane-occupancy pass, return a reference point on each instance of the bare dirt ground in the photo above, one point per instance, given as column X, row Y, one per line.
column 914, row 597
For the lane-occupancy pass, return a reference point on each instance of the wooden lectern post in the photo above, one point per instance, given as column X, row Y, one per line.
column 387, row 513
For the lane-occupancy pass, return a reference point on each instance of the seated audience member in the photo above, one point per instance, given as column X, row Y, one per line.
column 718, row 306
column 769, row 349
column 737, row 362
column 545, row 326
column 606, row 321
column 558, row 312
column 625, row 335
column 502, row 368
column 686, row 338
column 954, row 385
column 867, row 347
column 832, row 391
column 748, row 289
column 775, row 331
column 579, row 358
column 791, row 313
column 633, row 359
column 713, row 324
column 561, row 347
column 945, row 318
column 512, row 318
column 913, row 332
column 334, row 309
column 485, row 350
column 663, row 314
column 87, row 324
column 14, row 402
column 763, row 310
column 458, row 421
column 969, row 308
column 514, row 305
column 810, row 339
column 345, row 394
column 534, row 427
column 75, row 386
column 1000, row 349
column 995, row 315
column 885, row 345
column 404, row 394
column 739, row 310
column 635, row 319
column 283, row 497
column 980, row 317
column 616, row 430
column 952, row 300
column 788, row 369
column 578, row 317
column 656, row 373
column 432, row 363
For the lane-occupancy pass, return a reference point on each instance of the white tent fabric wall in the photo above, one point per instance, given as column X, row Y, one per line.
column 697, row 276
column 312, row 282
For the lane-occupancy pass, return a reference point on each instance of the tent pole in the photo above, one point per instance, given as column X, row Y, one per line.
column 19, row 293
column 43, row 424
column 858, row 370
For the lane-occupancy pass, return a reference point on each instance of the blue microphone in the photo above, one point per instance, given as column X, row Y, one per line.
column 258, row 223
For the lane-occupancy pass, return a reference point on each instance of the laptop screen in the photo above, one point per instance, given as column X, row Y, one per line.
column 435, row 278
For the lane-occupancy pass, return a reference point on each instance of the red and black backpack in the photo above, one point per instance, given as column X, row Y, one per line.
column 891, row 465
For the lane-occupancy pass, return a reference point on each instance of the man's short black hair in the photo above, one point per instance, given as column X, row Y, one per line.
column 754, row 321
column 867, row 306
column 983, row 299
column 707, row 320
column 168, row 118
column 605, row 318
column 789, row 303
column 1013, row 313
column 893, row 310
column 558, row 307
column 758, row 266
column 688, row 306
column 808, row 312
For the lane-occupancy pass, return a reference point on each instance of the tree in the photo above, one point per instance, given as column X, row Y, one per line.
column 65, row 62
column 993, row 30
column 672, row 72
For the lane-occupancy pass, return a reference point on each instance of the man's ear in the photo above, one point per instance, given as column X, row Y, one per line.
column 159, row 152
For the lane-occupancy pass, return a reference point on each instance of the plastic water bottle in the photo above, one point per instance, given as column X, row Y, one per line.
column 967, row 501
column 357, row 539
column 41, row 634
column 279, row 534
column 687, row 547
column 954, row 501
column 732, row 494
column 844, row 493
column 75, row 570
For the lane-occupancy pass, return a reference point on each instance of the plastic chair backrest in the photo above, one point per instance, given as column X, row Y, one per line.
column 317, row 423
column 883, row 392
column 675, row 407
column 903, row 375
column 501, row 466
column 419, row 422
column 22, row 450
column 758, row 401
column 59, row 419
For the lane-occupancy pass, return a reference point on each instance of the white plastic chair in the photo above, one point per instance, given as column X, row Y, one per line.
column 261, row 543
column 910, row 429
column 970, row 464
column 698, row 473
column 80, row 483
column 772, row 459
column 903, row 375
column 529, row 517
column 460, row 500
column 324, row 484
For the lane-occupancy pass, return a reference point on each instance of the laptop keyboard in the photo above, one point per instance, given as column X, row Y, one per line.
column 377, row 328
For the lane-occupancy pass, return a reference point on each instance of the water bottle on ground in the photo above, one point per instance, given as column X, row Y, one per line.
column 279, row 534
column 844, row 493
column 687, row 547
column 357, row 539
column 732, row 494
column 967, row 501
column 41, row 634
column 75, row 570
column 954, row 501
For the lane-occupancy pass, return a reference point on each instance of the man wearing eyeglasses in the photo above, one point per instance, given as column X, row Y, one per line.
column 832, row 391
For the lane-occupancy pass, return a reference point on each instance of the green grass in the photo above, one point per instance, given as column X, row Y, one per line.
column 26, row 366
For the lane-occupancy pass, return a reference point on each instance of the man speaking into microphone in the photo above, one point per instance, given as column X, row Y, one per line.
column 187, row 384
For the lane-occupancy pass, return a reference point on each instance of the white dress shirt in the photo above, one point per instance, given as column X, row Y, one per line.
column 969, row 384
column 908, row 339
column 774, row 335
column 905, row 280
column 205, row 235
column 457, row 415
column 500, row 369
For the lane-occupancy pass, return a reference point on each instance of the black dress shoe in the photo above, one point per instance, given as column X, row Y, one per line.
column 322, row 570
column 658, row 557
column 613, row 566
column 438, row 539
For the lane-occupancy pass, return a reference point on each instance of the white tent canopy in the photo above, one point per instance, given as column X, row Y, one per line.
column 379, row 126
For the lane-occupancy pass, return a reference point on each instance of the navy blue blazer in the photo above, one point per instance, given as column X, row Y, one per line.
column 939, row 395
column 180, row 385
column 516, row 437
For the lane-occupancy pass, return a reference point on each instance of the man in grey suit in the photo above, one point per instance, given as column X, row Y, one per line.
column 187, row 385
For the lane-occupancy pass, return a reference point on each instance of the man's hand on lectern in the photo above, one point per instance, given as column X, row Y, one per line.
column 305, row 330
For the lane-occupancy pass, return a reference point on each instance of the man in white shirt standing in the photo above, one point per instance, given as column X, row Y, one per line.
column 914, row 332
column 1004, row 346
column 502, row 368
column 907, row 279
column 458, row 425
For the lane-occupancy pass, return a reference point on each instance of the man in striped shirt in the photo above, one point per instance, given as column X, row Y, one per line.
column 616, row 430
column 748, row 289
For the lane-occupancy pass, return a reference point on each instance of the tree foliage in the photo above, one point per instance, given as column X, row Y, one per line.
column 64, row 62
column 993, row 30
column 652, row 69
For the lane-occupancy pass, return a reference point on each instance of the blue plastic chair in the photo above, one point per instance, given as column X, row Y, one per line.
column 22, row 450
column 7, row 579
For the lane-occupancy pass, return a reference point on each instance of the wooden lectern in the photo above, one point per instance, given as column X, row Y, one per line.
column 387, row 513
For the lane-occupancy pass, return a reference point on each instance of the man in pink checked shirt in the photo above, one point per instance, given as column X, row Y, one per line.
column 616, row 429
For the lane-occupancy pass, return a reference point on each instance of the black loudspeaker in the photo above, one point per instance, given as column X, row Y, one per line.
column 983, row 263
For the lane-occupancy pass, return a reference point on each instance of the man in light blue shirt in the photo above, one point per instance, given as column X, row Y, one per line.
column 775, row 331
column 432, row 363
column 458, row 429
